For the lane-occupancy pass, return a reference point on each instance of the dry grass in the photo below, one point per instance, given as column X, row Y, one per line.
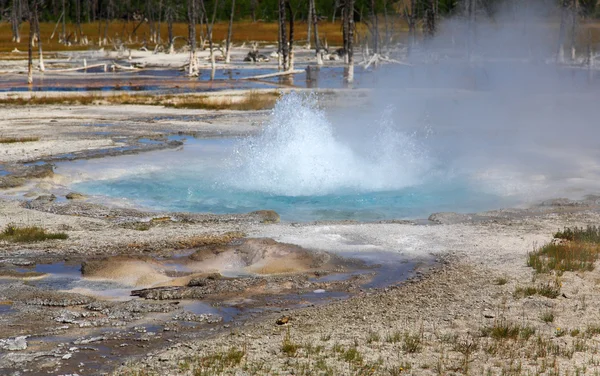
column 29, row 234
column 14, row 140
column 249, row 102
column 243, row 31
column 578, row 251
column 253, row 101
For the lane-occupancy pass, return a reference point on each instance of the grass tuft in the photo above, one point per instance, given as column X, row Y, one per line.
column 501, row 329
column 549, row 290
column 29, row 234
column 14, row 140
column 590, row 234
column 547, row 317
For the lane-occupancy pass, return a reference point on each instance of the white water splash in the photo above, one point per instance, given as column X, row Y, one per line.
column 299, row 154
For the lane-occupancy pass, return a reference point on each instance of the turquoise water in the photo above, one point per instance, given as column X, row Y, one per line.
column 300, row 165
column 177, row 192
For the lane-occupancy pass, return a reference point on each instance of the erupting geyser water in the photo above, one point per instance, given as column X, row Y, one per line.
column 299, row 154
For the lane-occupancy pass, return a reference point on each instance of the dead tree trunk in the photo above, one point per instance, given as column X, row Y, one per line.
column 350, row 47
column 253, row 9
column 15, row 20
column 283, row 45
column 316, row 32
column 209, row 30
column 560, row 54
column 169, row 17
column 193, row 65
column 336, row 5
column 31, row 19
column 290, row 65
column 309, row 23
column 64, row 22
column 430, row 19
column 375, row 27
column 39, row 38
column 78, row 33
column 574, row 16
column 345, row 30
column 229, row 33
column 159, row 20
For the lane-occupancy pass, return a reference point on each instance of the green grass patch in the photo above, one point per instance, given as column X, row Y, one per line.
column 289, row 347
column 547, row 317
column 567, row 257
column 217, row 363
column 501, row 329
column 549, row 290
column 29, row 234
column 590, row 234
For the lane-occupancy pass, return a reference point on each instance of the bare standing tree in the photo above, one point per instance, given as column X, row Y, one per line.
column 79, row 32
column 316, row 31
column 192, row 14
column 309, row 23
column 574, row 15
column 411, row 19
column 374, row 27
column 64, row 22
column 229, row 32
column 345, row 30
column 169, row 15
column 560, row 57
column 31, row 17
column 283, row 45
column 290, row 65
column 15, row 20
column 209, row 34
column 430, row 18
column 349, row 13
column 39, row 38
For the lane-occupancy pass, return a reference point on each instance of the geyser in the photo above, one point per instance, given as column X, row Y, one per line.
column 303, row 164
column 298, row 153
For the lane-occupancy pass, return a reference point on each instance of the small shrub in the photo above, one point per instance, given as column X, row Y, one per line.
column 373, row 337
column 590, row 234
column 500, row 281
column 394, row 337
column 501, row 329
column 352, row 355
column 560, row 258
column 288, row 347
column 29, row 234
column 549, row 290
column 411, row 343
column 526, row 332
column 547, row 317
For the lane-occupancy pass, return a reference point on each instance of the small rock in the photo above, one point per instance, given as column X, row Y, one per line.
column 16, row 344
column 74, row 196
column 283, row 320
column 67, row 356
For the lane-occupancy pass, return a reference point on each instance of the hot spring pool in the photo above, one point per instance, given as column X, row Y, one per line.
column 299, row 166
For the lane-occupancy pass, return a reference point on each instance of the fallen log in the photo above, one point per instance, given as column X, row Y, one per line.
column 277, row 74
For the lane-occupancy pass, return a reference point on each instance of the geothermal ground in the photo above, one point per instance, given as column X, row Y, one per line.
column 130, row 291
